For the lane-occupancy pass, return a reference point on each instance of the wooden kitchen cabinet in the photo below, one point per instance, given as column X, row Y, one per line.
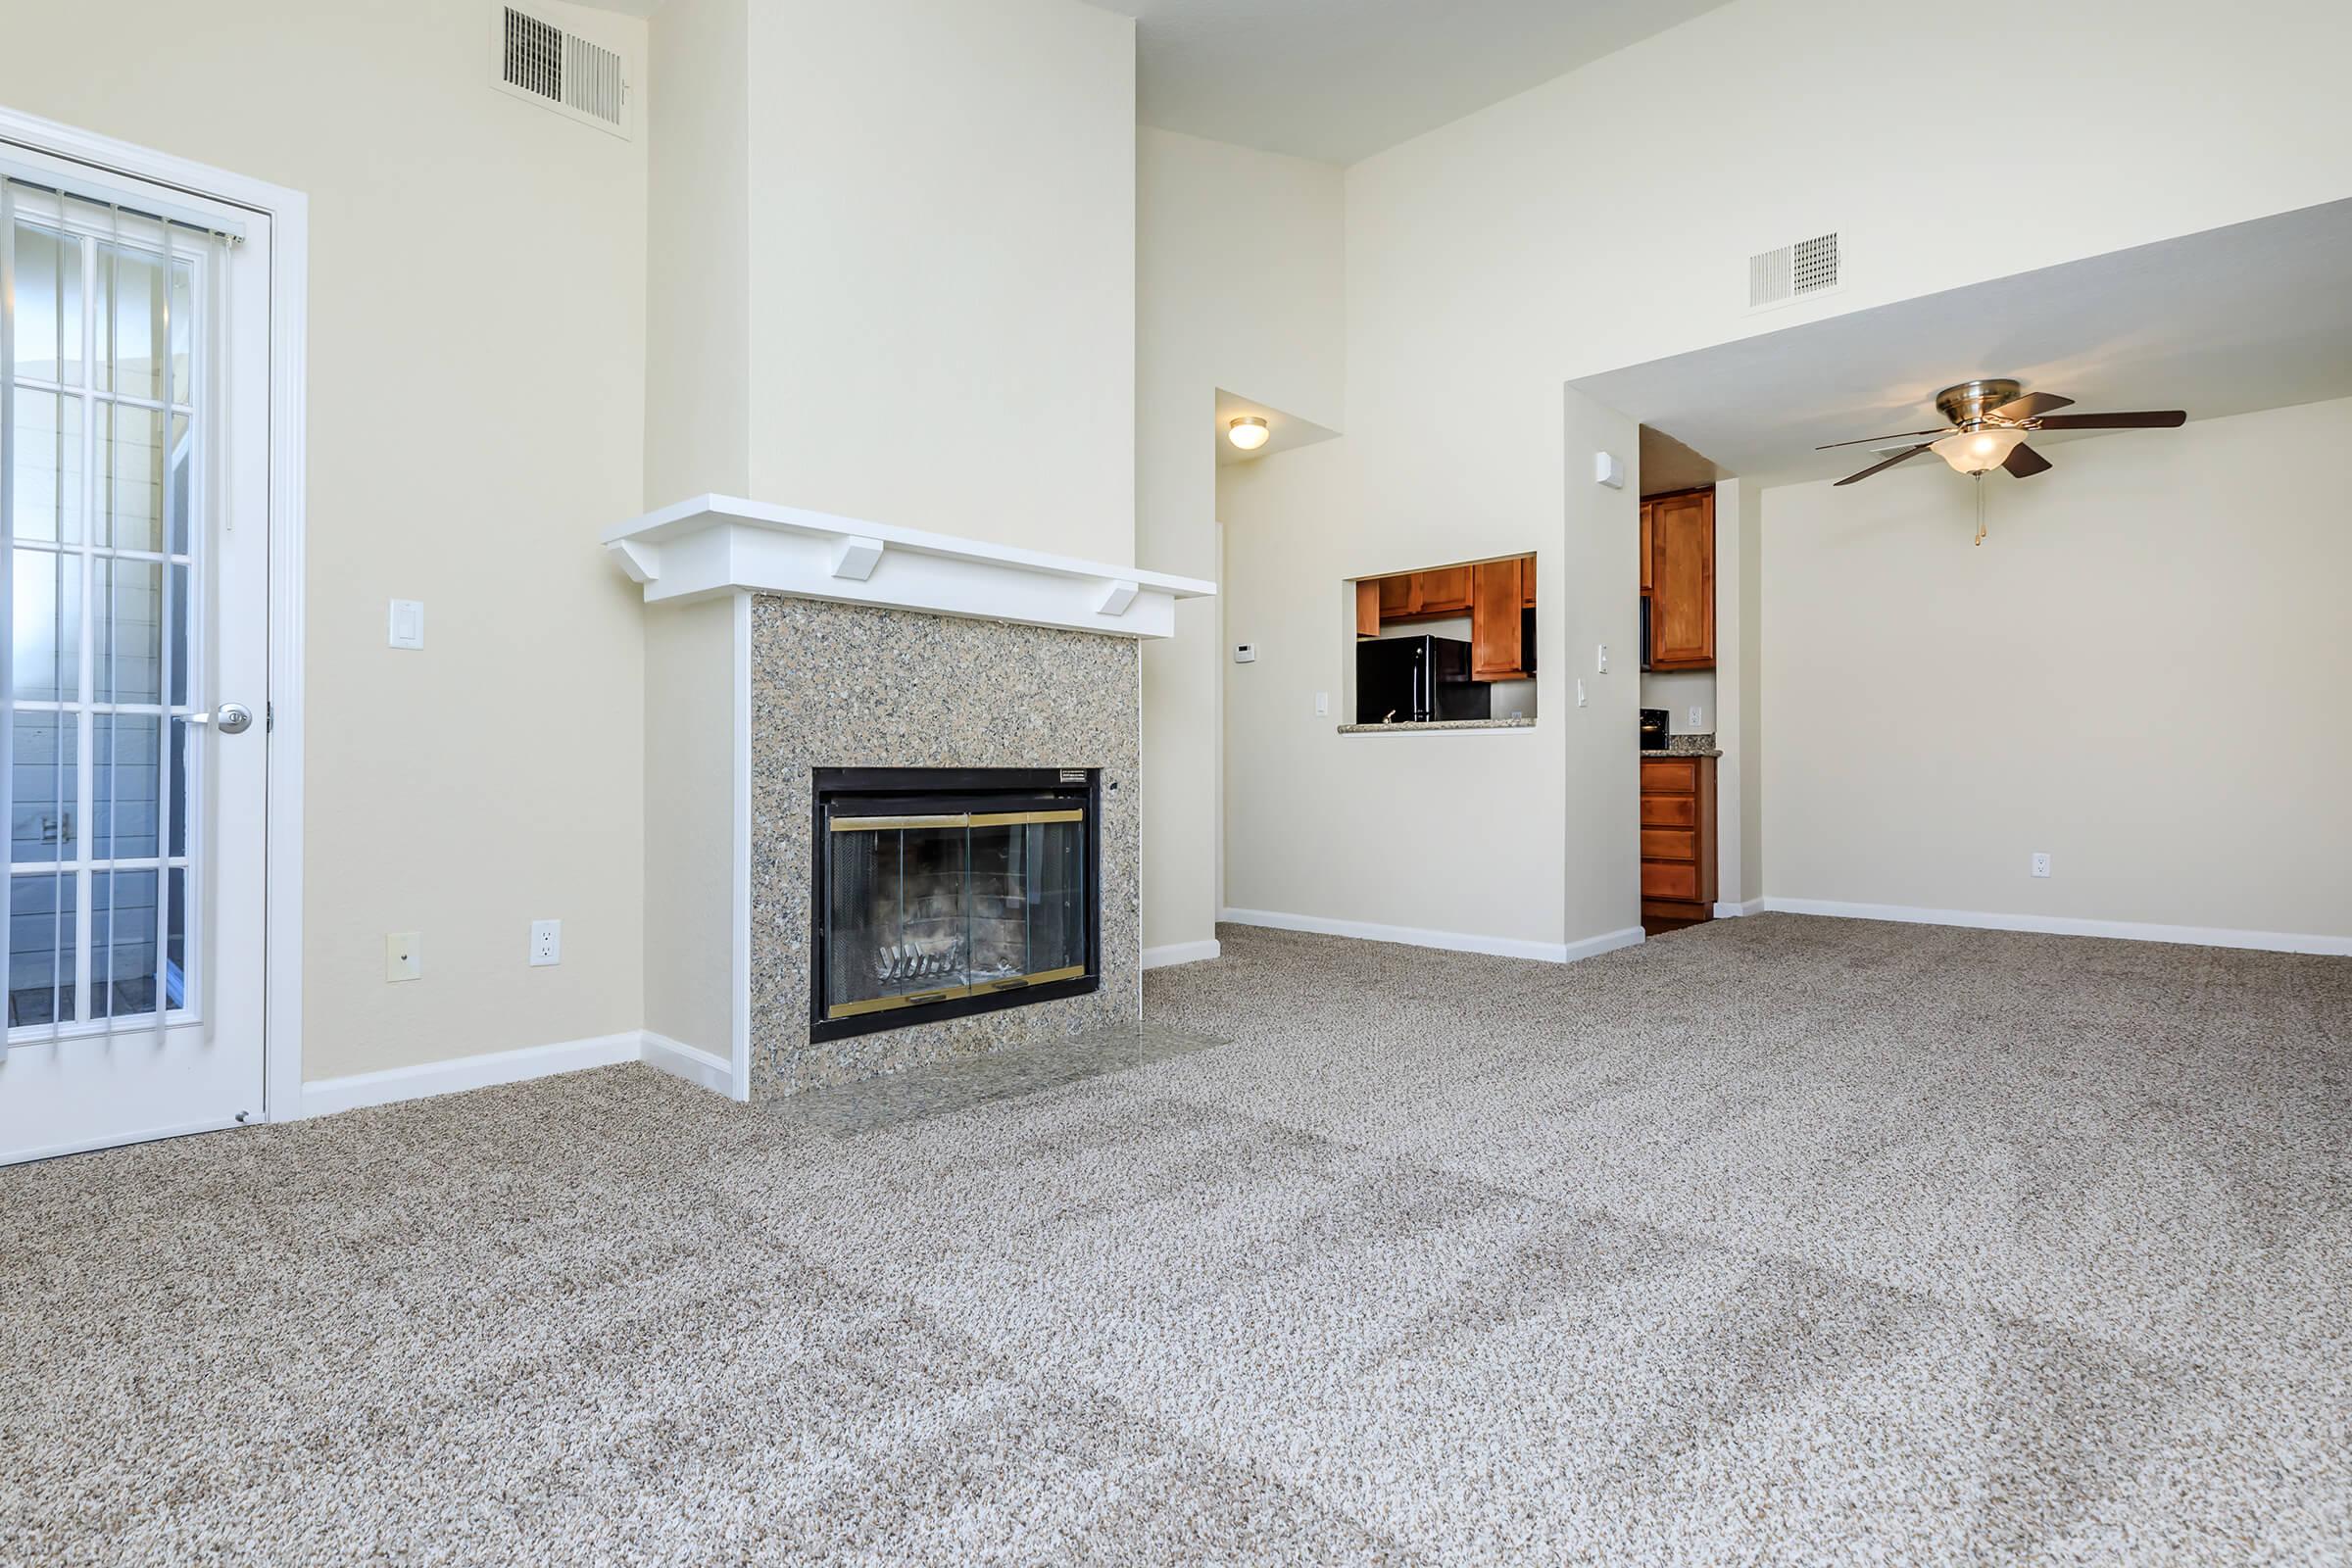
column 1442, row 592
column 1679, row 559
column 1495, row 602
column 1367, row 607
column 1396, row 596
column 1646, row 549
column 1527, row 582
column 1678, row 838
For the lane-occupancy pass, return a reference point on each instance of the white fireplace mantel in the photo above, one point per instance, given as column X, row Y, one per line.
column 711, row 545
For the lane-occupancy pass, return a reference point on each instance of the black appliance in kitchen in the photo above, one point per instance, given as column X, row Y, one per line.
column 1653, row 729
column 1417, row 679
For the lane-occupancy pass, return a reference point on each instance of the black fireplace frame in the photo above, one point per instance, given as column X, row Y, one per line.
column 895, row 790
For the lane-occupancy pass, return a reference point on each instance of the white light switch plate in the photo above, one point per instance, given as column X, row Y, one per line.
column 1600, row 661
column 408, row 623
column 404, row 955
column 1580, row 691
column 547, row 943
column 1322, row 704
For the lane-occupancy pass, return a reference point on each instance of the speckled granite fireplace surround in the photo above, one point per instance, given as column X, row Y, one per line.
column 835, row 685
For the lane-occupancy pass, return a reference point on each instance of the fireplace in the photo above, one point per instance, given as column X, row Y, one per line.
column 940, row 892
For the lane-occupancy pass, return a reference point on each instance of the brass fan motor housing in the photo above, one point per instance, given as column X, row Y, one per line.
column 1967, row 404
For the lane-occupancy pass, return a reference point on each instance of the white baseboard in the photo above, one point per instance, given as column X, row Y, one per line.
column 1447, row 941
column 690, row 1062
column 1179, row 953
column 330, row 1095
column 2063, row 925
column 1732, row 911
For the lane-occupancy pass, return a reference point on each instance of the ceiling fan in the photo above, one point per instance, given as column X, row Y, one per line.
column 1990, row 422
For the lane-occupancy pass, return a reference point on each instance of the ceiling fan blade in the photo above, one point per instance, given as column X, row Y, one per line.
column 1865, row 440
column 1904, row 455
column 2023, row 462
column 2030, row 405
column 2141, row 419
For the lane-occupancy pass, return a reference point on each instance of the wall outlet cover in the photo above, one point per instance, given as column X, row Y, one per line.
column 1699, row 718
column 404, row 955
column 2041, row 865
column 547, row 943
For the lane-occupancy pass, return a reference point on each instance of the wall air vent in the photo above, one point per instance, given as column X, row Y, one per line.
column 1790, row 273
column 534, row 58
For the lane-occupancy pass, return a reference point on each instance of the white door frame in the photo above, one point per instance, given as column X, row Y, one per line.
column 289, row 215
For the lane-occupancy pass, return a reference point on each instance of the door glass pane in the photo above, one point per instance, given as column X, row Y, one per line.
column 45, row 783
column 45, row 627
column 123, row 785
column 122, row 927
column 40, row 949
column 48, row 305
column 128, row 640
column 48, row 465
column 1057, row 898
column 130, row 458
column 131, row 322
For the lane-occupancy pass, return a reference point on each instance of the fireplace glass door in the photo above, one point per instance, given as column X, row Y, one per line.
column 921, row 905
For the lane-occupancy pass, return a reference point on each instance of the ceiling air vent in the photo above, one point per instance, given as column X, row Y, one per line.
column 1793, row 272
column 534, row 58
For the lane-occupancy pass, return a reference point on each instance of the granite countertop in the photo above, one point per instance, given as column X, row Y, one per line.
column 1438, row 723
column 1685, row 746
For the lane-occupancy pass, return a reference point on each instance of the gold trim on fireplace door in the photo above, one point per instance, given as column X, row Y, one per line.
column 917, row 999
column 874, row 824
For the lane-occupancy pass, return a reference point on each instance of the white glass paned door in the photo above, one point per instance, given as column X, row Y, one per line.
column 135, row 558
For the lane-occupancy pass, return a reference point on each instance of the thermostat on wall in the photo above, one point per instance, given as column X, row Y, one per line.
column 1245, row 653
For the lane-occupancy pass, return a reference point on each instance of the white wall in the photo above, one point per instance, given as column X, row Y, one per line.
column 1239, row 272
column 941, row 273
column 698, row 369
column 690, row 658
column 1555, row 235
column 461, row 452
column 2141, row 671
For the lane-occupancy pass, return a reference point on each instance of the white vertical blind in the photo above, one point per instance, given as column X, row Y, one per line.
column 106, row 470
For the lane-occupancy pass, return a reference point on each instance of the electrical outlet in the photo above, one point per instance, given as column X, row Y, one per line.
column 547, row 941
column 2041, row 865
column 404, row 955
column 1698, row 719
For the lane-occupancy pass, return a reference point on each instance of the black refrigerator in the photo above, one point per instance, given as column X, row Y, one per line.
column 1416, row 679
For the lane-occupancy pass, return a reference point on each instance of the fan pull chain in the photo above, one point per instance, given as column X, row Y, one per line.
column 1979, row 478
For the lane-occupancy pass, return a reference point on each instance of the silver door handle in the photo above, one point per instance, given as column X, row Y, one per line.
column 234, row 718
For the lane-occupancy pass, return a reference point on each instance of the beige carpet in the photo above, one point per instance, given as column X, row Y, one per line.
column 1777, row 1241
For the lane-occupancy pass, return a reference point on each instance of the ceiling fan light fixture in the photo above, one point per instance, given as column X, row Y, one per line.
column 1975, row 451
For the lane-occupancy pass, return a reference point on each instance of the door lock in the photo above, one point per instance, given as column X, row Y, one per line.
column 234, row 718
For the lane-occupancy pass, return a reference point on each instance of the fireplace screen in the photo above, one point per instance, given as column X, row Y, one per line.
column 945, row 891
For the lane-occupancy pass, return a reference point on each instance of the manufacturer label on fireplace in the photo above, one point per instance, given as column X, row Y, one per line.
column 1073, row 775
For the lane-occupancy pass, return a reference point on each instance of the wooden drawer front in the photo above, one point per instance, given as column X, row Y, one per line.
column 1669, row 844
column 1669, row 777
column 1662, row 880
column 1670, row 810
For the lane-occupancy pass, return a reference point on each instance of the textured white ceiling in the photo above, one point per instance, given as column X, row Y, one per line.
column 2255, row 315
column 1340, row 79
